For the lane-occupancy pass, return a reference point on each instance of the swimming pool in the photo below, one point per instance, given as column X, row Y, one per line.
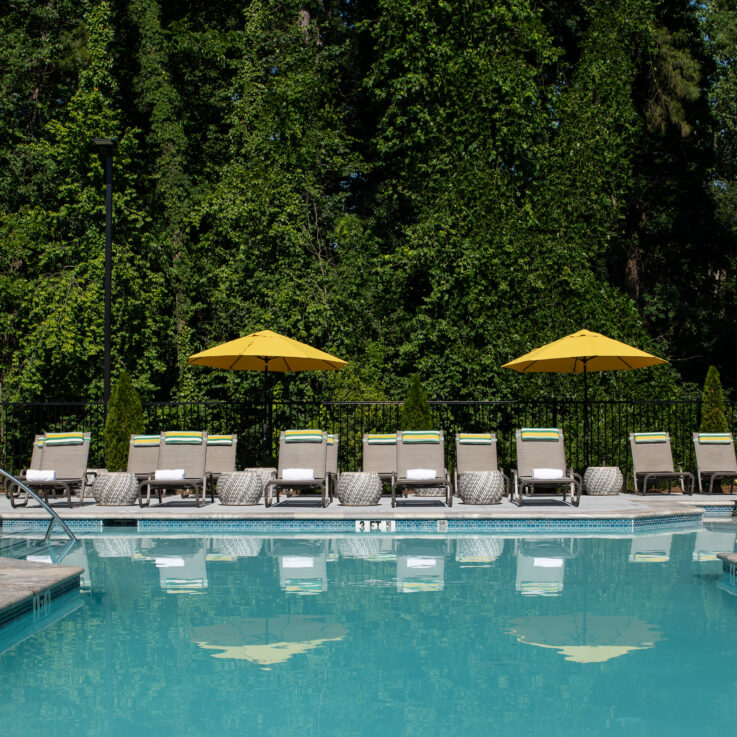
column 367, row 635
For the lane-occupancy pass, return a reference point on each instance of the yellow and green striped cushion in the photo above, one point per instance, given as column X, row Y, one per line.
column 145, row 441
column 303, row 585
column 650, row 437
column 421, row 436
column 303, row 436
column 474, row 438
column 551, row 434
column 220, row 440
column 40, row 443
column 331, row 439
column 64, row 438
column 715, row 438
column 183, row 438
column 386, row 438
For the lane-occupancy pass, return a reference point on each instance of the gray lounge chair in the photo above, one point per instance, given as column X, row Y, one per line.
column 300, row 449
column 715, row 459
column 421, row 450
column 185, row 450
column 12, row 490
column 476, row 454
column 66, row 454
column 652, row 460
column 220, row 458
column 143, row 455
column 380, row 455
column 541, row 452
column 331, row 464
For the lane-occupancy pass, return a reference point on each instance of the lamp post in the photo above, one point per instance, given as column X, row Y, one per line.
column 107, row 146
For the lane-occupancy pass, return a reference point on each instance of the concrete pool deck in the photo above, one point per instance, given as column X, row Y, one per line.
column 621, row 506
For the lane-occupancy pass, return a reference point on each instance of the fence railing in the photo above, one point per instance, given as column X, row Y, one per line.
column 609, row 425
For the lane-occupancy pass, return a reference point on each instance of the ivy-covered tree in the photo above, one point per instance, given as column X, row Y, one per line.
column 416, row 414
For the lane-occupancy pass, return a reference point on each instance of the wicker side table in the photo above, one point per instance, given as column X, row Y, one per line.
column 116, row 489
column 603, row 480
column 357, row 488
column 240, row 487
column 481, row 487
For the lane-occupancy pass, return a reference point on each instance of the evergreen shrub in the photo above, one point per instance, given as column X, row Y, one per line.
column 713, row 409
column 124, row 418
column 416, row 413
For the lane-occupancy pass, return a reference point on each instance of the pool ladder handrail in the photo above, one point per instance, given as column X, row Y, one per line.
column 54, row 516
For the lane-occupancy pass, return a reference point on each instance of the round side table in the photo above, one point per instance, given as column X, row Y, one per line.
column 359, row 488
column 603, row 480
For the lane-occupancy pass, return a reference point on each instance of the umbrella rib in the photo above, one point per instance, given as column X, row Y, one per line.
column 285, row 363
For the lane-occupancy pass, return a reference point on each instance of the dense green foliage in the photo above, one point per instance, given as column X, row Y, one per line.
column 713, row 414
column 409, row 184
column 124, row 418
column 416, row 413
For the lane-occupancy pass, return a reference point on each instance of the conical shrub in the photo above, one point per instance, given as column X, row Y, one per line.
column 416, row 413
column 713, row 409
column 124, row 418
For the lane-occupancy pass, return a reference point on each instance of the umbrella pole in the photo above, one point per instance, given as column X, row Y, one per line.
column 267, row 415
column 585, row 417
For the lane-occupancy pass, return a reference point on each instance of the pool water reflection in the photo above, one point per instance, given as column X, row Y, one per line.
column 381, row 634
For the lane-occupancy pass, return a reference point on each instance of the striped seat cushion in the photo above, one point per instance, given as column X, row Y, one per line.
column 550, row 434
column 715, row 438
column 650, row 437
column 332, row 439
column 421, row 436
column 183, row 438
column 40, row 443
column 303, row 436
column 145, row 441
column 475, row 438
column 220, row 440
column 387, row 438
column 64, row 438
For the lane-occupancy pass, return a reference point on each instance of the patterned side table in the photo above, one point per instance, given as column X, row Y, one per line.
column 356, row 488
column 481, row 487
column 603, row 480
column 241, row 487
column 115, row 489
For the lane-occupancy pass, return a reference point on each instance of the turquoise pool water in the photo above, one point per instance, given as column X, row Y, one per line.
column 382, row 636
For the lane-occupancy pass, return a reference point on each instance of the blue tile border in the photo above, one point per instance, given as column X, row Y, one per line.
column 718, row 510
column 593, row 525
column 41, row 525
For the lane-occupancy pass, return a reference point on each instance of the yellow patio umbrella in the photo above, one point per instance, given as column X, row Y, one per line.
column 269, row 352
column 580, row 353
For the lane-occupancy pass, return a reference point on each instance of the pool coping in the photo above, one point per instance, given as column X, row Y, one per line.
column 30, row 586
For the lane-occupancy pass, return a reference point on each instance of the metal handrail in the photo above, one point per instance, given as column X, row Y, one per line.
column 54, row 516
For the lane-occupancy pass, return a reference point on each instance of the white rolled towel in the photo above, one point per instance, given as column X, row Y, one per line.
column 169, row 474
column 416, row 561
column 38, row 477
column 547, row 473
column 298, row 474
column 421, row 474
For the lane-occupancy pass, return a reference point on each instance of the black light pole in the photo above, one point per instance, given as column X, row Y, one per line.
column 107, row 145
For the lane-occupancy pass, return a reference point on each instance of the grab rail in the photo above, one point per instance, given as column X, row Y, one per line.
column 54, row 516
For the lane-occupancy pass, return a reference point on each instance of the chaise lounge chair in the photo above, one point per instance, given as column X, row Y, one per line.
column 63, row 465
column 380, row 455
column 715, row 458
column 541, row 463
column 421, row 464
column 302, row 464
column 181, row 465
column 652, row 459
column 220, row 458
column 477, row 478
column 12, row 490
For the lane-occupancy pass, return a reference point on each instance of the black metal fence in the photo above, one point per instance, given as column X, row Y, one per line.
column 609, row 425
